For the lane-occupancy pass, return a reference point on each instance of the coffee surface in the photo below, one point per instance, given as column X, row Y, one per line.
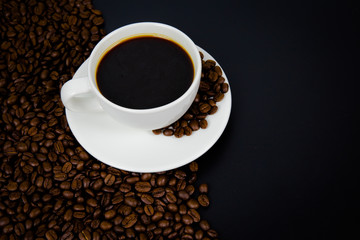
column 144, row 72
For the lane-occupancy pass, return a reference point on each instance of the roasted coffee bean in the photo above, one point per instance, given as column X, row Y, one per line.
column 192, row 203
column 51, row 235
column 132, row 202
column 4, row 221
column 149, row 210
column 129, row 220
column 184, row 195
column 143, row 186
column 168, row 132
column 194, row 214
column 203, row 188
column 194, row 125
column 158, row 192
column 186, row 219
column 105, row 225
column 204, row 225
column 199, row 234
column 203, row 200
column 203, row 124
column 109, row 179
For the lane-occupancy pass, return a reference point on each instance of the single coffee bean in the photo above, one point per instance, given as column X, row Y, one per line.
column 125, row 187
column 51, row 235
column 4, row 221
column 204, row 225
column 186, row 219
column 109, row 179
column 60, row 176
column 203, row 200
column 129, row 220
column 192, row 203
column 194, row 214
column 105, row 225
column 194, row 125
column 66, row 168
column 199, row 234
column 91, row 202
column 203, row 124
column 142, row 186
column 158, row 192
column 203, row 188
column 149, row 210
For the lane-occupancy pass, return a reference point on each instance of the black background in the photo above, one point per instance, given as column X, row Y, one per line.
column 286, row 166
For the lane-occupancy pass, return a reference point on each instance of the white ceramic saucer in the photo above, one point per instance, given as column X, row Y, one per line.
column 139, row 150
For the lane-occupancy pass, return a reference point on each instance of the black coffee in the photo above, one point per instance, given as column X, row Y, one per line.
column 144, row 72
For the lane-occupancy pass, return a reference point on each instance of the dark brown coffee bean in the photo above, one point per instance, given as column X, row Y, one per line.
column 85, row 235
column 110, row 214
column 66, row 168
column 109, row 179
column 203, row 124
column 19, row 229
column 76, row 184
column 203, row 200
column 34, row 213
column 91, row 202
column 132, row 202
column 212, row 233
column 224, row 87
column 117, row 199
column 171, row 198
column 143, row 186
column 4, row 221
column 168, row 132
column 157, row 131
column 218, row 97
column 172, row 207
column 204, row 225
column 51, row 235
column 157, row 216
column 158, row 192
column 194, row 214
column 149, row 210
column 183, row 195
column 60, row 176
column 65, row 185
column 203, row 188
column 186, row 219
column 204, row 108
column 194, row 125
column 192, row 203
column 125, row 187
column 68, row 194
column 199, row 234
column 147, row 199
column 129, row 220
column 12, row 186
column 105, row 225
column 213, row 110
column 179, row 132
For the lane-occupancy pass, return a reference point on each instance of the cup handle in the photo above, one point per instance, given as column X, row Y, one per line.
column 77, row 96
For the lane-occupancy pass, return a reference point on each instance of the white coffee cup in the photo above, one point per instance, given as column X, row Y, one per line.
column 79, row 89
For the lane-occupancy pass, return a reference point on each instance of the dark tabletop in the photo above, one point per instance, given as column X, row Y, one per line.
column 286, row 166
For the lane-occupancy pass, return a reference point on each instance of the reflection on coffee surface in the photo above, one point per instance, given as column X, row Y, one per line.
column 144, row 72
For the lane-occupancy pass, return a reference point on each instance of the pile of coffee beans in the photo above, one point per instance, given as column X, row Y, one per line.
column 50, row 188
column 211, row 90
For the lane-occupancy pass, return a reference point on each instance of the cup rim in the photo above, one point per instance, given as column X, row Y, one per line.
column 194, row 84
